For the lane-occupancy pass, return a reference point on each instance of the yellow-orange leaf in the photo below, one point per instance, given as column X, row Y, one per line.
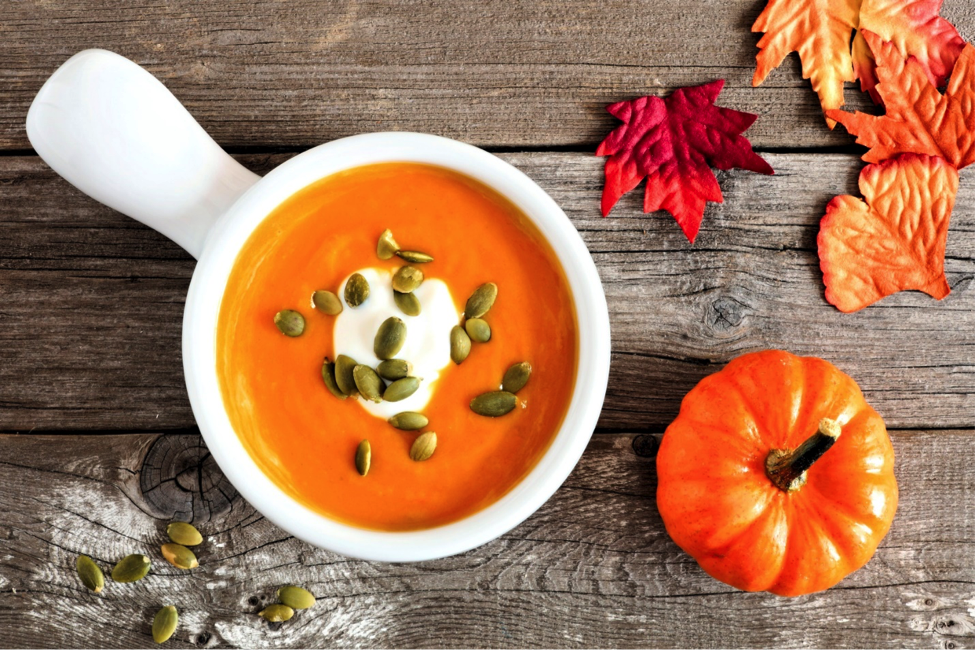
column 895, row 239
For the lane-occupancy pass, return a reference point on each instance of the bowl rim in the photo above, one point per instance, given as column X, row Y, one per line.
column 199, row 347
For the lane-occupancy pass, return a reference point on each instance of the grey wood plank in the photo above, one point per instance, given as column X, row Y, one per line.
column 513, row 73
column 92, row 301
column 593, row 568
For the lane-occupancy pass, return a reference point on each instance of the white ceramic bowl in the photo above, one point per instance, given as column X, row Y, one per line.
column 117, row 134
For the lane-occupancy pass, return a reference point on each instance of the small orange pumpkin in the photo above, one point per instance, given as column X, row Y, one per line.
column 738, row 488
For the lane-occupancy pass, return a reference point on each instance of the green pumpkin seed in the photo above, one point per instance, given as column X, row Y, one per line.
column 390, row 338
column 414, row 257
column 164, row 624
column 131, row 568
column 460, row 344
column 393, row 369
column 344, row 367
column 494, row 404
column 401, row 389
column 407, row 279
column 408, row 303
column 276, row 613
column 179, row 556
column 387, row 246
column 478, row 330
column 328, row 376
column 481, row 300
column 296, row 597
column 409, row 421
column 356, row 290
column 91, row 576
column 363, row 457
column 290, row 322
column 516, row 377
column 368, row 382
column 184, row 533
column 327, row 303
column 424, row 446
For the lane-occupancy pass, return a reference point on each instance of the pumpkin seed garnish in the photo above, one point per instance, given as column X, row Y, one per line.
column 164, row 624
column 409, row 421
column 91, row 576
column 460, row 344
column 408, row 303
column 481, row 300
column 327, row 302
column 368, row 382
column 424, row 446
column 401, row 389
column 344, row 366
column 478, row 330
column 356, row 290
column 290, row 322
column 516, row 377
column 296, row 597
column 363, row 458
column 131, row 568
column 414, row 257
column 387, row 246
column 328, row 376
column 276, row 613
column 407, row 279
column 179, row 556
column 184, row 533
column 390, row 338
column 393, row 369
column 494, row 404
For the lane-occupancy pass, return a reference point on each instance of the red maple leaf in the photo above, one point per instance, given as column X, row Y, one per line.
column 671, row 142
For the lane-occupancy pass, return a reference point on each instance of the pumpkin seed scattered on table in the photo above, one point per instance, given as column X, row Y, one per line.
column 344, row 367
column 276, row 613
column 414, row 257
column 91, row 576
column 390, row 338
column 363, row 458
column 179, row 556
column 407, row 279
column 369, row 383
column 184, row 533
column 516, row 377
column 164, row 624
column 328, row 376
column 393, row 369
column 296, row 597
column 356, row 290
column 290, row 322
column 327, row 303
column 131, row 568
column 409, row 421
column 460, row 344
column 478, row 330
column 424, row 446
column 387, row 246
column 494, row 404
column 408, row 303
column 401, row 389
column 481, row 300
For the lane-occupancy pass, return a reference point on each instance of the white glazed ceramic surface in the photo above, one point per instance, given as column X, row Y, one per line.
column 112, row 160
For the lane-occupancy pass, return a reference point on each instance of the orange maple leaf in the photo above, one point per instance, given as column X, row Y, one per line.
column 895, row 240
column 919, row 119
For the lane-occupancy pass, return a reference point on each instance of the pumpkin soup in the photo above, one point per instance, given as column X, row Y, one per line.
column 449, row 349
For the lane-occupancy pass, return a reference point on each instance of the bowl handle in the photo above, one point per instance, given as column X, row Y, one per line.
column 116, row 133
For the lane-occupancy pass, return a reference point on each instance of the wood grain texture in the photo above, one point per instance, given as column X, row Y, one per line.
column 498, row 72
column 593, row 568
column 92, row 310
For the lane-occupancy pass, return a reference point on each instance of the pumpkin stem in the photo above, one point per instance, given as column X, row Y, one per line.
column 787, row 469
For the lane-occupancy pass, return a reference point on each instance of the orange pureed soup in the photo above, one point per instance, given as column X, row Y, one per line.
column 303, row 437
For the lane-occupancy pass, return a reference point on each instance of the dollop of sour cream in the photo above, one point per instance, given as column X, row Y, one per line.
column 427, row 344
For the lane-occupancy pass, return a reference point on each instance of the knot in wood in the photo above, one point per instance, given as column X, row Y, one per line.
column 726, row 314
column 645, row 445
column 180, row 480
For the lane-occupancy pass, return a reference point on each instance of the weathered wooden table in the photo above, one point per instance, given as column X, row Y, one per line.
column 101, row 449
